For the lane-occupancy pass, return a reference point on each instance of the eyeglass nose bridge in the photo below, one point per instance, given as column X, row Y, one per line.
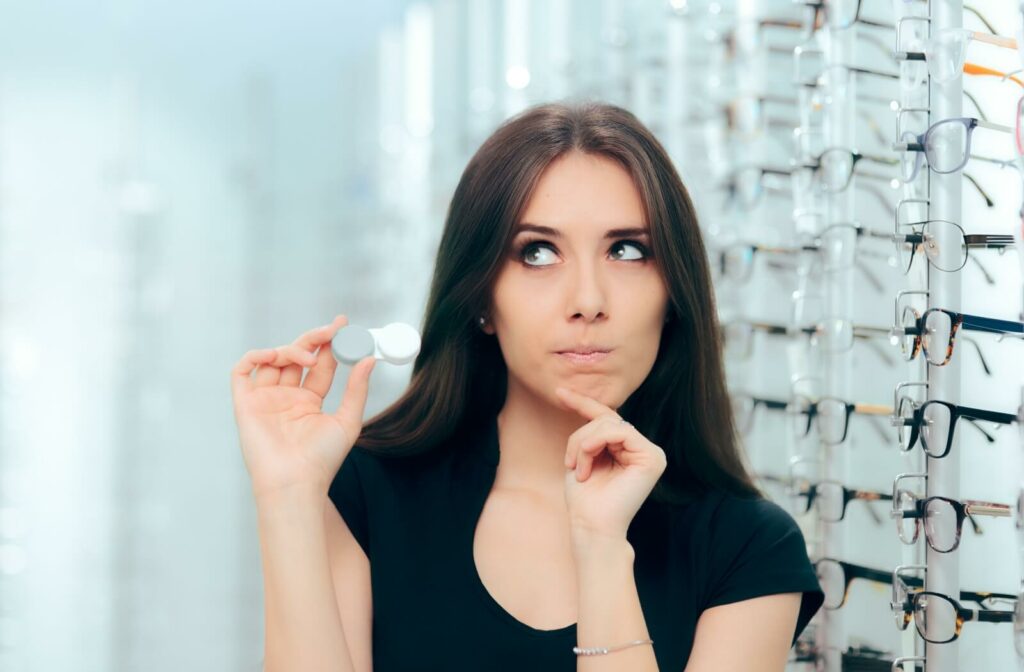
column 796, row 461
column 895, row 513
column 899, row 572
column 897, row 664
column 899, row 207
column 899, row 145
column 907, row 55
column 798, row 54
column 896, row 420
column 798, row 306
column 897, row 328
column 811, row 390
column 900, row 569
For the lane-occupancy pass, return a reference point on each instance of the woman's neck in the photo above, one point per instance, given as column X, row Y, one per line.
column 532, row 440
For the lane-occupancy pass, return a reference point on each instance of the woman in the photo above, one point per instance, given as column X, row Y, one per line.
column 520, row 506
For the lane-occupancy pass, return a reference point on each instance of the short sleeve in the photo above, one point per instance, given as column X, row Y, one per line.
column 347, row 494
column 758, row 549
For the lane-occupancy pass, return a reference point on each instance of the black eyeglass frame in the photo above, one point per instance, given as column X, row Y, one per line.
column 955, row 413
column 963, row 509
column 810, row 492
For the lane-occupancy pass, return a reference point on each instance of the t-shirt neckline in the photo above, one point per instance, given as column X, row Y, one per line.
column 490, row 450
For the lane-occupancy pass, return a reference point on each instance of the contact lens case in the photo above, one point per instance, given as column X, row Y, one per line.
column 397, row 343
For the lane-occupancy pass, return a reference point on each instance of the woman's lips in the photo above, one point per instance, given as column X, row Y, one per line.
column 580, row 358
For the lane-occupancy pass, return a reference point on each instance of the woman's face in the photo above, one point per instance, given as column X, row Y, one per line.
column 573, row 287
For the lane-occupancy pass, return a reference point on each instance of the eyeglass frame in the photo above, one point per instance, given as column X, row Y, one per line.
column 850, row 408
column 815, row 81
column 908, row 608
column 849, row 495
column 814, row 164
column 919, row 144
column 967, row 67
column 858, row 331
column 773, row 404
column 916, row 348
column 853, row 571
column 957, row 320
column 956, row 411
column 820, row 18
column 976, row 240
column 732, row 188
column 721, row 256
column 964, row 509
column 963, row 614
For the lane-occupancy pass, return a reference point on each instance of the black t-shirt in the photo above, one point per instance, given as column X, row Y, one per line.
column 416, row 522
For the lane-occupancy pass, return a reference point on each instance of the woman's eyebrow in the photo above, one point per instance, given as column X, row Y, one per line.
column 555, row 233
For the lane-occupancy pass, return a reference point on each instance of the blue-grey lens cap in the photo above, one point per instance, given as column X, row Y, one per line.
column 351, row 344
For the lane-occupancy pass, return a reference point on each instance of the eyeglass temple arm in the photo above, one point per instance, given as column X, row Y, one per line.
column 870, row 496
column 981, row 597
column 867, row 573
column 977, row 185
column 990, row 615
column 973, row 10
column 873, row 176
column 988, row 416
column 768, row 328
column 774, row 404
column 873, row 125
column 975, row 69
column 989, row 280
column 861, row 331
column 981, row 356
column 998, row 40
column 886, row 160
column 991, row 324
column 972, row 506
column 1004, row 163
column 974, row 423
column 988, row 240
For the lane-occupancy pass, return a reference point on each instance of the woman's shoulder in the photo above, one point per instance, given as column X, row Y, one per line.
column 717, row 514
column 464, row 447
column 420, row 468
column 749, row 510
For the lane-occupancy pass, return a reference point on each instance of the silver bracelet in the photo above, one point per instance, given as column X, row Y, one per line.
column 600, row 650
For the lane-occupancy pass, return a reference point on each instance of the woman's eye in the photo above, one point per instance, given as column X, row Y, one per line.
column 527, row 250
column 636, row 246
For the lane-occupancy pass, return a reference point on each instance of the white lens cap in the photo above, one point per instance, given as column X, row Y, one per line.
column 397, row 343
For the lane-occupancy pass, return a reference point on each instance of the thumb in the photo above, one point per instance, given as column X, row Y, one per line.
column 353, row 401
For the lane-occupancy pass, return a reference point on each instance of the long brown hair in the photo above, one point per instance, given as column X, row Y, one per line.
column 459, row 379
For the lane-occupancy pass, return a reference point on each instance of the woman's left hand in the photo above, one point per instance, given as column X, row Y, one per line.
column 611, row 468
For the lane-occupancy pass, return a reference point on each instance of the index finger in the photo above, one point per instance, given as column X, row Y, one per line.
column 314, row 337
column 586, row 406
column 241, row 373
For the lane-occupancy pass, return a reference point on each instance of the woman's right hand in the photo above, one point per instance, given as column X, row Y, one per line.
column 286, row 439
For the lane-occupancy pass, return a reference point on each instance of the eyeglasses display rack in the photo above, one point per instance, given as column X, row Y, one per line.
column 862, row 211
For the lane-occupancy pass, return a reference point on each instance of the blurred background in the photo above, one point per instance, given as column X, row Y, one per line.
column 180, row 183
